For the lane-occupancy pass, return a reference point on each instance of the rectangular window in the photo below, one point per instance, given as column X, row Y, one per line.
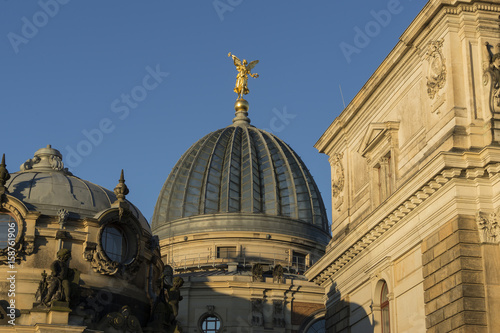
column 226, row 252
column 299, row 261
column 384, row 178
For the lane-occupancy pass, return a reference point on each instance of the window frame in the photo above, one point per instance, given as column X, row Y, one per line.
column 207, row 315
column 14, row 220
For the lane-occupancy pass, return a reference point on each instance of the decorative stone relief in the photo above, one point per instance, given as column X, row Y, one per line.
column 338, row 180
column 123, row 321
column 278, row 274
column 23, row 244
column 488, row 226
column 45, row 158
column 102, row 264
column 491, row 75
column 278, row 313
column 257, row 312
column 63, row 215
column 257, row 273
column 436, row 73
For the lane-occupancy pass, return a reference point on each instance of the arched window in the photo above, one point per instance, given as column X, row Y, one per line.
column 317, row 327
column 8, row 230
column 210, row 324
column 384, row 309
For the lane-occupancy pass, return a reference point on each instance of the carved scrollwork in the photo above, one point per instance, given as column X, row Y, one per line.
column 491, row 75
column 257, row 312
column 338, row 180
column 23, row 245
column 100, row 261
column 489, row 227
column 436, row 74
column 101, row 264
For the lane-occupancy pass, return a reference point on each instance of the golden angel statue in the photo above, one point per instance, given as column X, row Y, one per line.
column 243, row 68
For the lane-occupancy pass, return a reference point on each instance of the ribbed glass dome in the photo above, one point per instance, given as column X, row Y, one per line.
column 240, row 169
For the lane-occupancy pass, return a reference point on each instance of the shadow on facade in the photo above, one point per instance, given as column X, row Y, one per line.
column 210, row 304
column 344, row 316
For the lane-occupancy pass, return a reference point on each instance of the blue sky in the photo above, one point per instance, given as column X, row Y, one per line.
column 132, row 84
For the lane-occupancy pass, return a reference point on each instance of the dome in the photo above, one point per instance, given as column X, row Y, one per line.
column 43, row 184
column 245, row 170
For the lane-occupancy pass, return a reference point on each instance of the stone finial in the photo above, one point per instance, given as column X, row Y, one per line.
column 121, row 190
column 4, row 176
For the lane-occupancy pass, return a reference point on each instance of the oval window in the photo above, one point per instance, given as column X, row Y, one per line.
column 114, row 243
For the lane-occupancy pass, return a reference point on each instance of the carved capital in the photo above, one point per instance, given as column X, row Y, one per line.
column 489, row 228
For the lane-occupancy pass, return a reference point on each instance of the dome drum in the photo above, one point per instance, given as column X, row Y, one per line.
column 242, row 222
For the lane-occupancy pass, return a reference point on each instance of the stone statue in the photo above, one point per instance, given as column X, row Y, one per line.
column 278, row 274
column 166, row 305
column 120, row 322
column 243, row 68
column 257, row 273
column 57, row 286
column 173, row 295
column 42, row 288
column 492, row 74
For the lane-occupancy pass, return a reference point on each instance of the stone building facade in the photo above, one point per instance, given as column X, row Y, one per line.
column 415, row 161
column 74, row 257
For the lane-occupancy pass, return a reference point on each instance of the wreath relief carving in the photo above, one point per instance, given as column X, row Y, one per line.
column 338, row 181
column 436, row 73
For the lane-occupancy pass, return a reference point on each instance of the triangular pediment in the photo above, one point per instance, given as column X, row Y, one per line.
column 374, row 134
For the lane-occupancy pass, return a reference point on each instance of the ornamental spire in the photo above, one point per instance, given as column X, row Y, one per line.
column 121, row 190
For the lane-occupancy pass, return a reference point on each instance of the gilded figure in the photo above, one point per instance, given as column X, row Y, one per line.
column 244, row 70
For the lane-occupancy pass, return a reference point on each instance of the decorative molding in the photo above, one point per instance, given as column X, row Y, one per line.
column 257, row 312
column 377, row 135
column 489, row 227
column 338, row 181
column 279, row 313
column 63, row 215
column 101, row 263
column 436, row 73
column 278, row 274
column 491, row 74
column 392, row 219
column 257, row 273
column 24, row 244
